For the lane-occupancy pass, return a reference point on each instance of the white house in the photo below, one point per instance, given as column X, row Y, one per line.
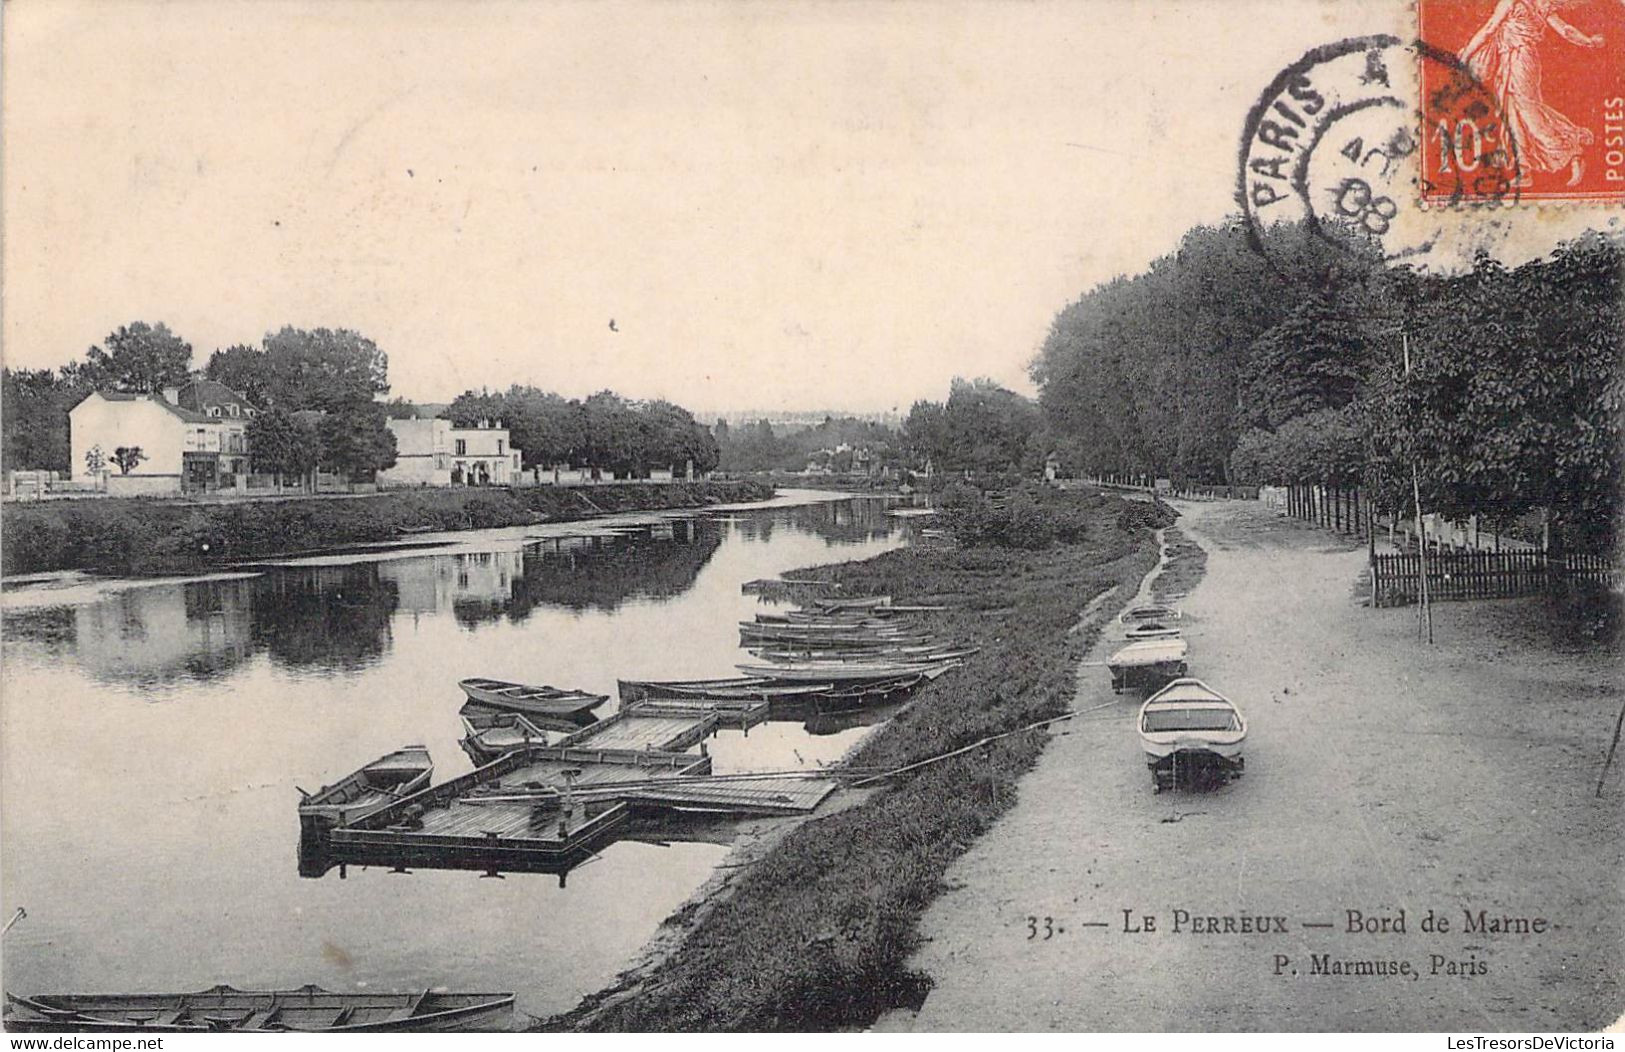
column 191, row 439
column 435, row 453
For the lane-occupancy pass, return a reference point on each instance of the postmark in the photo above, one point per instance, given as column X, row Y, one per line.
column 1555, row 70
column 1331, row 155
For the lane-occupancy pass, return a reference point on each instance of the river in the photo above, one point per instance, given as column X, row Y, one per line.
column 152, row 734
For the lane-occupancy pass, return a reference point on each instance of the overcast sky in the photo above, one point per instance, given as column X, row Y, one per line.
column 780, row 205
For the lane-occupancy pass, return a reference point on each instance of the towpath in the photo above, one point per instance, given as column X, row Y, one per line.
column 1382, row 775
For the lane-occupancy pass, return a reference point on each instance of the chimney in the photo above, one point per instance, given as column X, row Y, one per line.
column 172, row 395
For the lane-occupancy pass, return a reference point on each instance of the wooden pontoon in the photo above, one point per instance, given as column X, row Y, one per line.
column 309, row 1009
column 528, row 700
column 362, row 792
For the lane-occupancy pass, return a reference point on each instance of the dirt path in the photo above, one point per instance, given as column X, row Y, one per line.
column 1381, row 775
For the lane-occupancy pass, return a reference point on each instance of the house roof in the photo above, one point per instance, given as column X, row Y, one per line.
column 189, row 415
column 201, row 395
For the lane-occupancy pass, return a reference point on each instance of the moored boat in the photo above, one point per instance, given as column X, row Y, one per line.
column 736, row 687
column 1188, row 730
column 843, row 671
column 487, row 738
column 369, row 789
column 308, row 1009
column 528, row 700
column 1147, row 663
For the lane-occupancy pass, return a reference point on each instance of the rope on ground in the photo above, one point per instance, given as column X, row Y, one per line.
column 978, row 744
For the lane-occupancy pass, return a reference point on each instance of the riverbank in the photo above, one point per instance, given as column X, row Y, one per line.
column 810, row 927
column 146, row 536
column 1384, row 776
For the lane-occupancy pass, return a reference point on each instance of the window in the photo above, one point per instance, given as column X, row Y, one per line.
column 499, row 447
column 232, row 409
column 214, row 410
column 462, row 447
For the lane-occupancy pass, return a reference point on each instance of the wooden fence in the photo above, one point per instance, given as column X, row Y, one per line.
column 1484, row 575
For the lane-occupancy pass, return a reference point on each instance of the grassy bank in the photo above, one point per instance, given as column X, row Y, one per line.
column 162, row 536
column 816, row 933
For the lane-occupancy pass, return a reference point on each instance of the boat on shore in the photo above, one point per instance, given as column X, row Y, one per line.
column 308, row 1009
column 1190, row 731
column 528, row 700
column 1149, row 612
column 1151, row 630
column 367, row 790
column 857, row 602
column 1148, row 663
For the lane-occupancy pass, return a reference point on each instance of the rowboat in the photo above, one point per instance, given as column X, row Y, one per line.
column 1147, row 663
column 540, row 701
column 737, row 687
column 858, row 602
column 370, row 789
column 487, row 738
column 309, row 1009
column 842, row 671
column 1151, row 630
column 921, row 653
column 1149, row 612
column 1189, row 730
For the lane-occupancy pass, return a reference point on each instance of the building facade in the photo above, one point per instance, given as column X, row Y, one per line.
column 435, row 453
column 191, row 439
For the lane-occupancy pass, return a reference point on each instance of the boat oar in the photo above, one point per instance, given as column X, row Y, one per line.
column 15, row 917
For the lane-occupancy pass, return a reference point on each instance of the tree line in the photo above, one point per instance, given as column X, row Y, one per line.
column 604, row 432
column 760, row 447
column 1214, row 367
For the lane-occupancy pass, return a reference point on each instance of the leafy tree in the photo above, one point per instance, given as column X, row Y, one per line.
column 283, row 445
column 355, row 440
column 95, row 461
column 139, row 357
column 34, row 406
column 304, row 369
column 127, row 457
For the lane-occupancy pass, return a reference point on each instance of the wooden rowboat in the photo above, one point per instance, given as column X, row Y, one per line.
column 843, row 671
column 309, row 1009
column 487, row 738
column 734, row 688
column 1147, row 663
column 528, row 700
column 1188, row 729
column 1151, row 630
column 372, row 788
column 1149, row 612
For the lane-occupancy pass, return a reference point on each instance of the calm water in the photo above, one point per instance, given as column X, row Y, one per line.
column 153, row 736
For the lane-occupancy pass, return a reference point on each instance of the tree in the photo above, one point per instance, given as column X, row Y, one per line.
column 139, row 357
column 355, row 440
column 127, row 457
column 283, row 445
column 304, row 369
column 34, row 406
column 95, row 461
column 244, row 369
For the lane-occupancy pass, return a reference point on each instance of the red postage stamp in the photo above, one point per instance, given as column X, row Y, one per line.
column 1556, row 70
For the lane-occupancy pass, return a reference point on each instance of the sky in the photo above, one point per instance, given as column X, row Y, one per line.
column 780, row 205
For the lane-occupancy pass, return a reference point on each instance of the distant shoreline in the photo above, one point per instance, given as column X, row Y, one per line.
column 146, row 537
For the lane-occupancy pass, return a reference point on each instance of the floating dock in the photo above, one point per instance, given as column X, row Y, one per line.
column 646, row 727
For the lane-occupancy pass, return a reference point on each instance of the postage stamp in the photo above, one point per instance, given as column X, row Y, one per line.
column 1330, row 153
column 1556, row 70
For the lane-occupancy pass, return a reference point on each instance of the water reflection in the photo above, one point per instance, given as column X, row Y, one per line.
column 302, row 673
